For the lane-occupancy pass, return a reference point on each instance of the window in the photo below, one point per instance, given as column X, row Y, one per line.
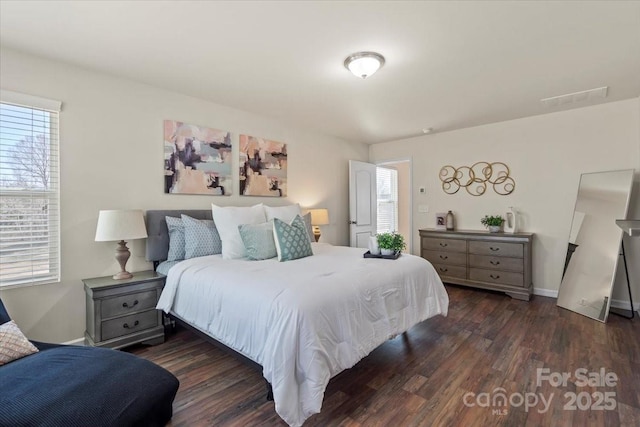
column 29, row 190
column 387, row 187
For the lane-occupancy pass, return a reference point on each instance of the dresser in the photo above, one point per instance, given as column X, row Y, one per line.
column 495, row 261
column 123, row 312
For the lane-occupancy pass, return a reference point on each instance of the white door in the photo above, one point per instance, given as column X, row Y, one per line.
column 362, row 203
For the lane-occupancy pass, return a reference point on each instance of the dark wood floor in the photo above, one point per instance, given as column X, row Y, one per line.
column 488, row 341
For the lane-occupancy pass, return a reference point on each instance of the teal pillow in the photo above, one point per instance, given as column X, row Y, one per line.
column 201, row 237
column 258, row 240
column 176, row 239
column 292, row 240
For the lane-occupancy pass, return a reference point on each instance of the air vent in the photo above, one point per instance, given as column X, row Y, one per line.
column 572, row 98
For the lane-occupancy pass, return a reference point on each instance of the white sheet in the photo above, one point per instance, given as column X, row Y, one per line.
column 306, row 320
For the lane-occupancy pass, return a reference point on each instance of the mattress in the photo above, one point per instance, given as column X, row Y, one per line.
column 304, row 321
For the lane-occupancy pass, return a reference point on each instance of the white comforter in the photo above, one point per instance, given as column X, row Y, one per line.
column 306, row 320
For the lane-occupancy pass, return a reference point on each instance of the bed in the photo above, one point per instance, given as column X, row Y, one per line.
column 302, row 321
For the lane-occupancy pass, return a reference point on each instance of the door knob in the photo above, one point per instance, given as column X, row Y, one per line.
column 353, row 223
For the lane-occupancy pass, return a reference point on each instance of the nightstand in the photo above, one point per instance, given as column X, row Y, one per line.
column 123, row 312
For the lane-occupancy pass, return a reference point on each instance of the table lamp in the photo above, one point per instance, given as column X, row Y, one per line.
column 318, row 217
column 118, row 225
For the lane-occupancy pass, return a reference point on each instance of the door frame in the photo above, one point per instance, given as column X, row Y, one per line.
column 409, row 159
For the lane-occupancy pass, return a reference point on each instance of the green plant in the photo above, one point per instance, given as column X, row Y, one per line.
column 495, row 221
column 393, row 241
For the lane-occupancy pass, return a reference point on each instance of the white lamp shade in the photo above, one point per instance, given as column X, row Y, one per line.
column 364, row 64
column 319, row 216
column 117, row 225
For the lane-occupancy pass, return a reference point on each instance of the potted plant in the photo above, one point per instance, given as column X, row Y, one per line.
column 390, row 243
column 493, row 223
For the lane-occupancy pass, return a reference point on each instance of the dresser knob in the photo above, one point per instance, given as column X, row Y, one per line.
column 126, row 325
column 494, row 262
column 443, row 257
column 494, row 277
column 444, row 245
column 125, row 305
column 444, row 270
column 494, row 249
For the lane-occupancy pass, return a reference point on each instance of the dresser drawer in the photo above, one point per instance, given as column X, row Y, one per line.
column 125, row 304
column 442, row 257
column 496, row 249
column 445, row 270
column 496, row 276
column 435, row 244
column 496, row 262
column 125, row 325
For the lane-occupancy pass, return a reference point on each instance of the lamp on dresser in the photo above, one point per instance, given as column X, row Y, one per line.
column 118, row 226
column 318, row 217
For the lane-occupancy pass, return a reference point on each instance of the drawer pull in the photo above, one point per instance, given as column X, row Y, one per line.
column 444, row 245
column 444, row 270
column 443, row 257
column 494, row 277
column 494, row 262
column 125, row 305
column 126, row 325
column 494, row 249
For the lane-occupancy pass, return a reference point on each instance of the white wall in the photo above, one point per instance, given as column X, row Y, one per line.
column 546, row 155
column 112, row 158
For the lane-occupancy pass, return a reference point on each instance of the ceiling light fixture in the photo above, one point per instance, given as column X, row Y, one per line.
column 364, row 64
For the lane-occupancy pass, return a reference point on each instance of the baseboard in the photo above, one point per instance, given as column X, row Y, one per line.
column 545, row 292
column 78, row 341
column 622, row 304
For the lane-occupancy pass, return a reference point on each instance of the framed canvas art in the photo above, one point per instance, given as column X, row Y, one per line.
column 197, row 160
column 441, row 221
column 263, row 167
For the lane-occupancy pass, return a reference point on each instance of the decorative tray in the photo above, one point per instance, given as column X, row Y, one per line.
column 368, row 254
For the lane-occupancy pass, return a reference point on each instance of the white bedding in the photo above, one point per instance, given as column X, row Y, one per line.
column 306, row 320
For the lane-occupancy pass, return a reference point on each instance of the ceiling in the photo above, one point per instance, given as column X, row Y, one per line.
column 449, row 65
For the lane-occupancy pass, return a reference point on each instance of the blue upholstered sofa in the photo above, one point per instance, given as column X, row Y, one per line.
column 83, row 386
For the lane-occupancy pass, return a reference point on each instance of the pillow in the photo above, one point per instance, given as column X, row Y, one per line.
column 292, row 241
column 284, row 213
column 228, row 219
column 176, row 239
column 258, row 240
column 13, row 344
column 307, row 222
column 201, row 237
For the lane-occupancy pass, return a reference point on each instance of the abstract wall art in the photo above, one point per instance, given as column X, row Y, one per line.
column 197, row 160
column 476, row 178
column 263, row 167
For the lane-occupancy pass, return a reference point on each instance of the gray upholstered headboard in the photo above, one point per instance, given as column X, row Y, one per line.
column 158, row 240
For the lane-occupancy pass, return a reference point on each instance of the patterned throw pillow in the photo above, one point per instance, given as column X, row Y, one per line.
column 201, row 237
column 176, row 239
column 258, row 240
column 292, row 241
column 13, row 344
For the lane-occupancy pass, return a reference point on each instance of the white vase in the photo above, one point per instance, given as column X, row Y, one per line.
column 387, row 251
column 511, row 221
column 373, row 245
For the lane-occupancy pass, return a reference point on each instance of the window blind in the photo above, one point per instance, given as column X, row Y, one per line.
column 29, row 190
column 387, row 189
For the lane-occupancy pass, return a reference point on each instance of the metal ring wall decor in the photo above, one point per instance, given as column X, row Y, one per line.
column 475, row 178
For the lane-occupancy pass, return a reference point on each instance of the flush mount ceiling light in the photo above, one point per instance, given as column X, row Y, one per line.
column 364, row 64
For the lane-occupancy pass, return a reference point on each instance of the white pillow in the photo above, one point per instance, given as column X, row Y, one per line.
column 227, row 219
column 283, row 213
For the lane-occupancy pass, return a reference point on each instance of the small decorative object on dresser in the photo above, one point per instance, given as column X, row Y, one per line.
column 441, row 221
column 450, row 221
column 123, row 312
column 499, row 262
column 493, row 223
column 511, row 220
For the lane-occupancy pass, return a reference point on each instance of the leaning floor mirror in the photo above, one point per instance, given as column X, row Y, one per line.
column 594, row 243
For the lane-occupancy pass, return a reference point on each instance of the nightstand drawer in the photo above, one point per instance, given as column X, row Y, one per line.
column 434, row 244
column 496, row 276
column 454, row 258
column 497, row 249
column 451, row 271
column 126, row 304
column 128, row 324
column 496, row 262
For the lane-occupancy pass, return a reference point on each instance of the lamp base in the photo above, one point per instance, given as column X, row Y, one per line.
column 316, row 233
column 122, row 256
